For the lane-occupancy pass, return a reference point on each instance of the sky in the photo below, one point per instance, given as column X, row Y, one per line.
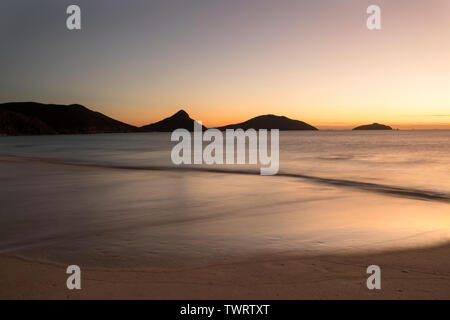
column 225, row 61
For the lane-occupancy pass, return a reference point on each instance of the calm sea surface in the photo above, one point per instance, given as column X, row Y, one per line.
column 115, row 200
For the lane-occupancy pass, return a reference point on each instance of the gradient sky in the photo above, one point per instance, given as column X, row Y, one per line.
column 225, row 61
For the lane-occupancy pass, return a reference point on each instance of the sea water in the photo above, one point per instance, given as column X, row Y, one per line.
column 117, row 201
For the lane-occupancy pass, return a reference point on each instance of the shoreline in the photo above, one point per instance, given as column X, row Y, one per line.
column 268, row 240
column 422, row 273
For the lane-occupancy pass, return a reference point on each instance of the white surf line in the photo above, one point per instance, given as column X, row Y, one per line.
column 404, row 192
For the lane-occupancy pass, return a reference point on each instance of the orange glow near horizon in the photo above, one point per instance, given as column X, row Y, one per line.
column 403, row 122
column 228, row 61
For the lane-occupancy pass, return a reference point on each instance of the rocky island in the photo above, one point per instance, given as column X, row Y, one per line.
column 373, row 126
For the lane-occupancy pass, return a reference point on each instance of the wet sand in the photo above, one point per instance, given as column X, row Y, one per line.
column 164, row 234
column 410, row 274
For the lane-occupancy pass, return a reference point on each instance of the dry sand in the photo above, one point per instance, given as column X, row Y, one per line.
column 410, row 274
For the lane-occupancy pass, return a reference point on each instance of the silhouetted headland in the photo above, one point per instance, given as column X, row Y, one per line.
column 373, row 126
column 180, row 120
column 31, row 118
column 270, row 121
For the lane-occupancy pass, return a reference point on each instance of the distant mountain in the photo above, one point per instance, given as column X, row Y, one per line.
column 271, row 121
column 30, row 118
column 180, row 120
column 373, row 126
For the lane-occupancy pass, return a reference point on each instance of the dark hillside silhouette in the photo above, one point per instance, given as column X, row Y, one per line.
column 23, row 118
column 180, row 120
column 373, row 126
column 270, row 121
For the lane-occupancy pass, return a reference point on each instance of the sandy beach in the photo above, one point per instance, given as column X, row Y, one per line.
column 409, row 274
column 141, row 233
column 225, row 150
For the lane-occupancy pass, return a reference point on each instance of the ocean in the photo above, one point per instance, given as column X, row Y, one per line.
column 117, row 201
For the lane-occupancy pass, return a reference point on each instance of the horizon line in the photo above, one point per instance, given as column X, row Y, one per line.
column 327, row 126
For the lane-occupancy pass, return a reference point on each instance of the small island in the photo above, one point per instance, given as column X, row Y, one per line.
column 373, row 126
